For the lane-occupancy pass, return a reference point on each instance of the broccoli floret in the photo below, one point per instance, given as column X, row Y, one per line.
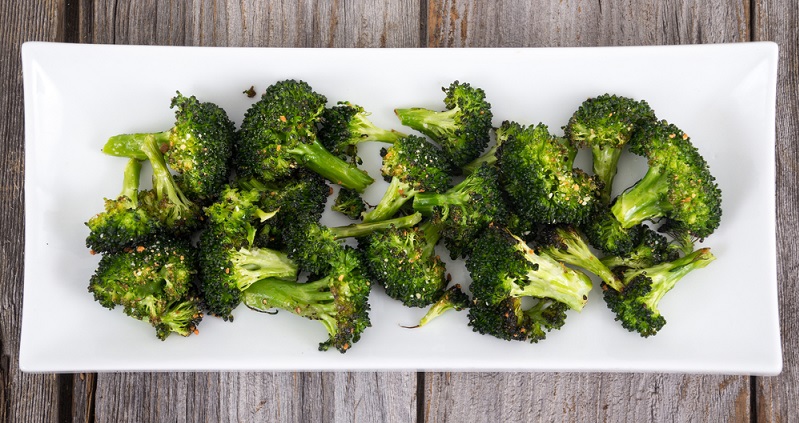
column 538, row 174
column 339, row 299
column 452, row 299
column 198, row 148
column 349, row 203
column 123, row 224
column 278, row 135
column 605, row 124
column 566, row 244
column 347, row 125
column 605, row 233
column 636, row 305
column 652, row 249
column 462, row 130
column 678, row 185
column 412, row 165
column 404, row 262
column 152, row 282
column 466, row 209
column 509, row 321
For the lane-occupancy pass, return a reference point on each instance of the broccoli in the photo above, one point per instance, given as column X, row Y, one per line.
column 636, row 306
column 566, row 244
column 339, row 299
column 198, row 148
column 506, row 130
column 462, row 130
column 349, row 203
column 123, row 224
column 152, row 282
column 677, row 186
column 411, row 165
column 466, row 209
column 346, row 125
column 404, row 262
column 452, row 299
column 278, row 134
column 605, row 124
column 504, row 270
column 536, row 170
column 605, row 233
column 652, row 249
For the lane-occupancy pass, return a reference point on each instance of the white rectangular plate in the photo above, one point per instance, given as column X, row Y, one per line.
column 721, row 319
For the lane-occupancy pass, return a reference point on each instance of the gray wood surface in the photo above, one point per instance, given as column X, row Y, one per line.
column 368, row 396
column 777, row 397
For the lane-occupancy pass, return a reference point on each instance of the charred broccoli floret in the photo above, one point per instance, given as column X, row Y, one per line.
column 636, row 306
column 198, row 148
column 346, row 125
column 339, row 299
column 652, row 249
column 466, row 209
column 605, row 124
column 538, row 174
column 462, row 130
column 411, row 166
column 152, row 282
column 349, row 203
column 605, row 233
column 678, row 185
column 278, row 135
column 452, row 299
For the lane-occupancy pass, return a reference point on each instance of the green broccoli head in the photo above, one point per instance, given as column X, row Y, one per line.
column 508, row 320
column 404, row 262
column 349, row 203
column 605, row 233
column 237, row 215
column 278, row 135
column 346, row 125
column 652, row 248
column 462, row 130
column 153, row 283
column 339, row 299
column 636, row 305
column 678, row 185
column 605, row 124
column 537, row 171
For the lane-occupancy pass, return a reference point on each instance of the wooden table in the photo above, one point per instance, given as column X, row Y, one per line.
column 400, row 397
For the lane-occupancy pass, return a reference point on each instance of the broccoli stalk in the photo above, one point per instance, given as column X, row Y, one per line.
column 452, row 299
column 564, row 243
column 163, row 183
column 356, row 230
column 315, row 157
column 636, row 305
column 347, row 125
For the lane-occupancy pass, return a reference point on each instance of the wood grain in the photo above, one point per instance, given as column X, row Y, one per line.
column 585, row 397
column 23, row 397
column 777, row 21
column 256, row 397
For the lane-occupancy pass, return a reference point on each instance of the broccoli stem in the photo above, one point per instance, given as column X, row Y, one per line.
column 606, row 160
column 368, row 131
column 312, row 300
column 181, row 318
column 577, row 253
column 130, row 182
column 163, row 182
column 665, row 276
column 425, row 202
column 255, row 264
column 132, row 145
column 432, row 234
column 552, row 279
column 436, row 125
column 362, row 229
column 643, row 201
column 314, row 156
column 396, row 195
column 489, row 157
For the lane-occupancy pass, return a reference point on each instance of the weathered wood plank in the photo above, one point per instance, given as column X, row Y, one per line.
column 254, row 397
column 23, row 397
column 777, row 21
column 585, row 397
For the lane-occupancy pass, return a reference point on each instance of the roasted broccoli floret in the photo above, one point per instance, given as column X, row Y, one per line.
column 404, row 262
column 349, row 203
column 566, row 244
column 123, row 224
column 605, row 233
column 346, row 125
column 605, row 124
column 452, row 299
column 466, row 209
column 412, row 165
column 538, row 174
column 636, row 305
column 506, row 130
column 678, row 185
column 339, row 299
column 462, row 130
column 504, row 270
column 152, row 282
column 278, row 135
column 198, row 148
column 652, row 249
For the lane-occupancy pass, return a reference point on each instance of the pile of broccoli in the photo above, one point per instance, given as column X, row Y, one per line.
column 234, row 216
